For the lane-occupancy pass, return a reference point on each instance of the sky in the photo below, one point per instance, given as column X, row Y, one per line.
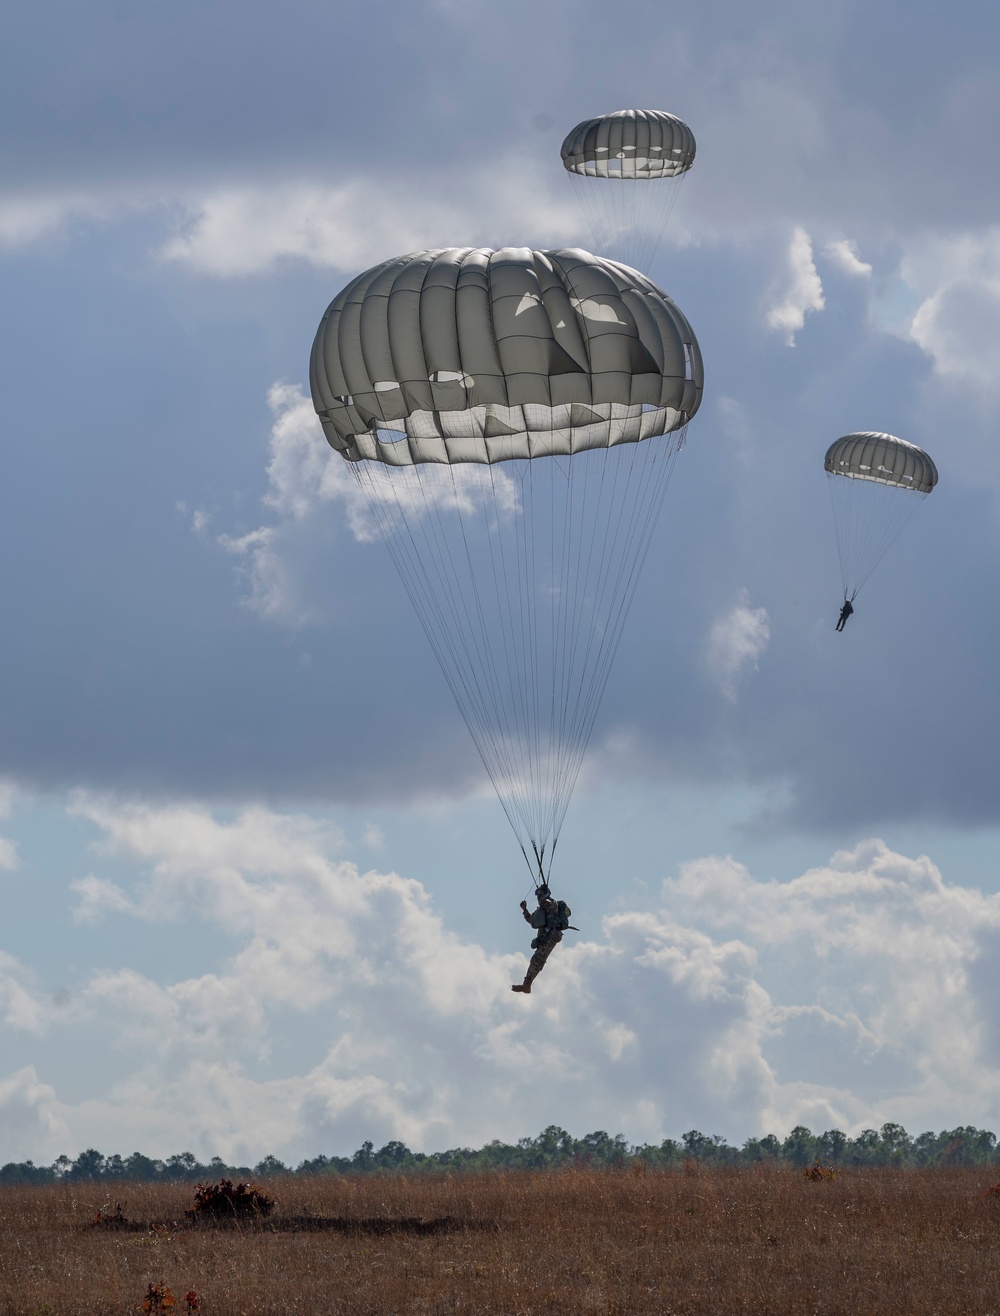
column 256, row 895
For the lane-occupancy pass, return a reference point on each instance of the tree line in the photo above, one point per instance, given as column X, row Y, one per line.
column 553, row 1148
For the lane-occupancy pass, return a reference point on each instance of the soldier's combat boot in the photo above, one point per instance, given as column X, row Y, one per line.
column 521, row 987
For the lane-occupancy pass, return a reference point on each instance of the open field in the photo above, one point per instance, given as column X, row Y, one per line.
column 623, row 1242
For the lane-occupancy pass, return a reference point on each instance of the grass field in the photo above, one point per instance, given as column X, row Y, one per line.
column 623, row 1242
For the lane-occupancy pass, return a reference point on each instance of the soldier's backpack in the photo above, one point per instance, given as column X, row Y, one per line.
column 563, row 915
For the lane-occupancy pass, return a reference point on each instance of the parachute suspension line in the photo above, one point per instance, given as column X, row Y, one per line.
column 540, row 856
column 596, row 511
column 659, row 220
column 868, row 516
column 618, row 573
column 527, row 661
column 505, row 742
column 564, row 652
column 655, row 467
column 516, row 635
column 627, row 217
column 428, row 594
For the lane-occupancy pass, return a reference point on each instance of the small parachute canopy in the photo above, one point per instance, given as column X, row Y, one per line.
column 883, row 459
column 876, row 483
column 606, row 157
column 630, row 144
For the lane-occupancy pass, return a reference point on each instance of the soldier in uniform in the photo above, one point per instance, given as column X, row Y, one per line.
column 549, row 919
column 845, row 612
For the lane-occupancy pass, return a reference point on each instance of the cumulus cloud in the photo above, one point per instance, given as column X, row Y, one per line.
column 737, row 641
column 798, row 292
column 952, row 284
column 29, row 1116
column 21, row 1008
column 958, row 327
column 844, row 255
column 918, row 944
column 305, row 475
column 859, row 992
column 98, row 896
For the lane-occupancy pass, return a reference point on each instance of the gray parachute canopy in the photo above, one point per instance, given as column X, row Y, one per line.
column 630, row 144
column 472, row 355
column 876, row 482
column 606, row 158
column 882, row 458
column 511, row 420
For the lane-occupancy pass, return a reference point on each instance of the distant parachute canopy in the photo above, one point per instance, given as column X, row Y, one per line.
column 882, row 459
column 876, row 482
column 634, row 144
column 512, row 418
column 607, row 155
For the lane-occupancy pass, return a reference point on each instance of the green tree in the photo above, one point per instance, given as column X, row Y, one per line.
column 799, row 1148
column 831, row 1146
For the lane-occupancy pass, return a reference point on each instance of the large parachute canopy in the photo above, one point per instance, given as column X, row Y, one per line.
column 511, row 418
column 876, row 482
column 622, row 165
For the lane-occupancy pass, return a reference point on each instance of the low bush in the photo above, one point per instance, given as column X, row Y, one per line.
column 228, row 1201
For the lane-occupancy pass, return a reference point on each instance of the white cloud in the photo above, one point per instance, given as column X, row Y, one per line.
column 958, row 327
column 273, row 590
column 247, row 230
column 306, row 476
column 955, row 281
column 29, row 1116
column 799, row 291
column 20, row 1007
column 736, row 641
column 844, row 255
column 97, row 896
column 896, row 959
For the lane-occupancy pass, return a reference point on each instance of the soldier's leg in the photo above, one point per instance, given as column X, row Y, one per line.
column 536, row 964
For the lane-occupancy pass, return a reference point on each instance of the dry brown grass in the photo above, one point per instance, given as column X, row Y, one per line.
column 622, row 1242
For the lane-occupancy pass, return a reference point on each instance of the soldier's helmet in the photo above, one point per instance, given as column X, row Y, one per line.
column 543, row 892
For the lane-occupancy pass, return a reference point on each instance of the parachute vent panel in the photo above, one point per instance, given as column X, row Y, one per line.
column 882, row 459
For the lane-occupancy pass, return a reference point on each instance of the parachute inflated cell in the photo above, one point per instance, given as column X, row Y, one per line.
column 876, row 483
column 511, row 418
column 621, row 165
